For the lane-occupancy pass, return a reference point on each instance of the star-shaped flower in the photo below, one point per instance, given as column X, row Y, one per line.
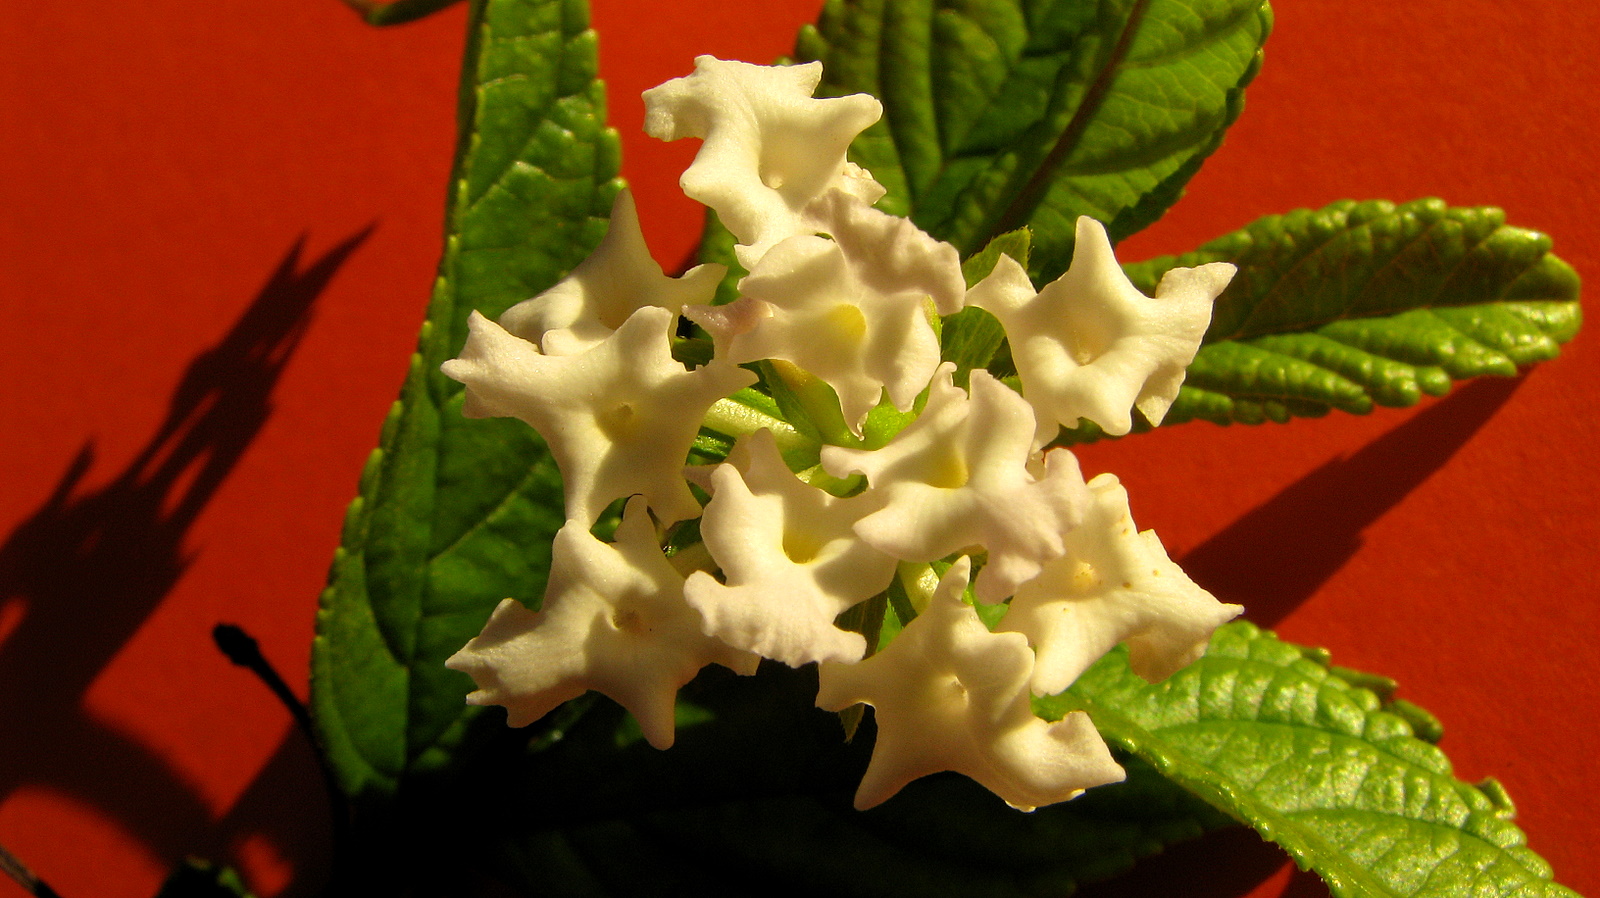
column 770, row 148
column 958, row 477
column 851, row 310
column 613, row 620
column 617, row 279
column 791, row 561
column 1090, row 345
column 619, row 417
column 1114, row 584
column 949, row 695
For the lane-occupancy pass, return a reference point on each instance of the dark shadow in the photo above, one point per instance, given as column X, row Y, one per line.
column 1226, row 863
column 285, row 806
column 91, row 565
column 1304, row 884
column 1274, row 558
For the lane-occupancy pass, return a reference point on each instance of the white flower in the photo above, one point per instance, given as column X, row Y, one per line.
column 619, row 417
column 1090, row 345
column 852, row 310
column 949, row 695
column 958, row 477
column 791, row 560
column 613, row 620
column 1113, row 585
column 770, row 148
column 617, row 279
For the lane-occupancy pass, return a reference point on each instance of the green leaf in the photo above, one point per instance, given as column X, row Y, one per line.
column 1363, row 304
column 1266, row 732
column 453, row 515
column 1005, row 113
column 758, row 789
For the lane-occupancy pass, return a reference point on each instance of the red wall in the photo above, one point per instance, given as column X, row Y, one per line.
column 159, row 170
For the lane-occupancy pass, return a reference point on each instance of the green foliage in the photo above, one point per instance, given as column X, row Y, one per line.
column 1005, row 113
column 1362, row 304
column 1266, row 732
column 454, row 515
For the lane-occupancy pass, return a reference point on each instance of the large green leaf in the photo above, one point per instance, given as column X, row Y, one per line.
column 1005, row 113
column 1266, row 732
column 755, row 797
column 455, row 515
column 1362, row 304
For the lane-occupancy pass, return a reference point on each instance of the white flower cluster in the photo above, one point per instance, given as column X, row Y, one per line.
column 844, row 295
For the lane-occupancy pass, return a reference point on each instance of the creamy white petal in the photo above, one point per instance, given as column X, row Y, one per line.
column 1113, row 585
column 810, row 304
column 769, row 148
column 617, row 279
column 790, row 558
column 1090, row 345
column 619, row 418
column 890, row 254
column 958, row 477
column 949, row 695
column 613, row 620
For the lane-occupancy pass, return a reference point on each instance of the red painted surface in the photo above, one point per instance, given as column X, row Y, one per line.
column 162, row 171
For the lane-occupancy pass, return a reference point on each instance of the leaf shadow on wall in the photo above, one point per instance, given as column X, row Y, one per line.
column 90, row 566
column 1274, row 558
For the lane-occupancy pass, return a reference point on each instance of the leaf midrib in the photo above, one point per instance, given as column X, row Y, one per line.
column 1244, row 333
column 1021, row 208
column 510, row 494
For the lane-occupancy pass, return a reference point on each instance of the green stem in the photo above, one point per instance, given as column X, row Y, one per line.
column 734, row 419
column 19, row 872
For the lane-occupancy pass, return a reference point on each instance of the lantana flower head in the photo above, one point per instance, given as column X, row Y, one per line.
column 797, row 564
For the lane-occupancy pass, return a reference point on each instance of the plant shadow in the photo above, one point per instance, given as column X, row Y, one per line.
column 91, row 565
column 1275, row 557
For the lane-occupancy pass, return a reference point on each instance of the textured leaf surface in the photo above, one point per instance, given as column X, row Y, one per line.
column 1265, row 731
column 758, row 790
column 455, row 515
column 1000, row 114
column 1362, row 304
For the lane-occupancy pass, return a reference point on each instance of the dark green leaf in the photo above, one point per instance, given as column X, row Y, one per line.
column 1266, row 732
column 1005, row 113
column 455, row 515
column 758, row 791
column 1363, row 304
